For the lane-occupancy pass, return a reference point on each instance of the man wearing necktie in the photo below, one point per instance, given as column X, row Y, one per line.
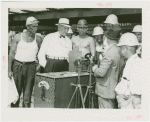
column 53, row 55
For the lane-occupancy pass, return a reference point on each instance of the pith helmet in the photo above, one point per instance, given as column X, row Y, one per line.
column 128, row 39
column 97, row 31
column 137, row 28
column 112, row 19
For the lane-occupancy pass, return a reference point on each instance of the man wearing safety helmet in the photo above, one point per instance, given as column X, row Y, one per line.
column 110, row 21
column 83, row 41
column 108, row 72
column 129, row 89
column 24, row 49
column 98, row 35
column 137, row 30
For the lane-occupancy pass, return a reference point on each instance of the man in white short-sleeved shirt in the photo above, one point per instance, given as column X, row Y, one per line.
column 53, row 55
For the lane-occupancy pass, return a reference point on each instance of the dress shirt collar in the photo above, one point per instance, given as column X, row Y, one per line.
column 59, row 34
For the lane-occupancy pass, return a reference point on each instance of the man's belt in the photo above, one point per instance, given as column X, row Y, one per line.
column 25, row 62
column 53, row 57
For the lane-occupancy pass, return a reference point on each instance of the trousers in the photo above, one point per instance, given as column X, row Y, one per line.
column 56, row 65
column 24, row 77
column 105, row 103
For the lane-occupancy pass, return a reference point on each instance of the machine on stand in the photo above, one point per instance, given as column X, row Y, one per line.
column 78, row 94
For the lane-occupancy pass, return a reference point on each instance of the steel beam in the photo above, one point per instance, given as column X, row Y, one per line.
column 78, row 12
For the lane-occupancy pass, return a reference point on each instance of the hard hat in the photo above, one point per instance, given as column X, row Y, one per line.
column 39, row 34
column 112, row 19
column 63, row 21
column 31, row 20
column 82, row 23
column 137, row 28
column 97, row 31
column 24, row 30
column 70, row 30
column 128, row 39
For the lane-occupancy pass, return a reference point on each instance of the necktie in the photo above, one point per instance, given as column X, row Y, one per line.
column 62, row 36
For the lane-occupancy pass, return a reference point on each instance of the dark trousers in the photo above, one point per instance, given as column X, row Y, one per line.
column 56, row 65
column 24, row 75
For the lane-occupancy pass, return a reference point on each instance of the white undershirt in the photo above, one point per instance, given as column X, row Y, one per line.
column 26, row 52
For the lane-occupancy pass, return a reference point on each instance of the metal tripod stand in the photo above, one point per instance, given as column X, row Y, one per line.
column 89, row 90
column 78, row 87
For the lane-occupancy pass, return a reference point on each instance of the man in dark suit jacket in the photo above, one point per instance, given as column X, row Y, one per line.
column 107, row 74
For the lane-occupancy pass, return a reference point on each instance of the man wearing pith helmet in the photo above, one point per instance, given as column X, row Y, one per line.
column 108, row 72
column 111, row 20
column 129, row 89
column 98, row 35
column 23, row 51
column 137, row 30
column 53, row 55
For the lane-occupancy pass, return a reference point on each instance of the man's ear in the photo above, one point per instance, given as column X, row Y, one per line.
column 126, row 48
column 77, row 28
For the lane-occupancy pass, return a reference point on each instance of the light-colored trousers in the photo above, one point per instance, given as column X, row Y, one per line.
column 105, row 103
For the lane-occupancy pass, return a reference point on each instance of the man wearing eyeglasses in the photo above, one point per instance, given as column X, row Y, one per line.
column 85, row 43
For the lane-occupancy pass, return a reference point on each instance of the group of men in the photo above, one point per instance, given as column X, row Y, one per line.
column 108, row 48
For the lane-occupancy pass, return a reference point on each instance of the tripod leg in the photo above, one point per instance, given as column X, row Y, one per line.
column 86, row 94
column 81, row 96
column 72, row 97
column 92, row 100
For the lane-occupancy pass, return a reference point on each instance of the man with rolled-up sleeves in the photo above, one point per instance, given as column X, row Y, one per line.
column 107, row 74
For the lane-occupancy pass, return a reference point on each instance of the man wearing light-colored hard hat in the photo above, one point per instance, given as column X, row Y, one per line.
column 69, row 33
column 110, row 21
column 137, row 30
column 54, row 52
column 98, row 35
column 22, row 59
column 129, row 88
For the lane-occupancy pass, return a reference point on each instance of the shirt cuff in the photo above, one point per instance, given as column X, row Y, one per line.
column 43, row 63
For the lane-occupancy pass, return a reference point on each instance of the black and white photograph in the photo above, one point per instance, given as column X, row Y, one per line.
column 73, row 58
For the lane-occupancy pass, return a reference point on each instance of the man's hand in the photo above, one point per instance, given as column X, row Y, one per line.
column 94, row 68
column 10, row 74
column 38, row 68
